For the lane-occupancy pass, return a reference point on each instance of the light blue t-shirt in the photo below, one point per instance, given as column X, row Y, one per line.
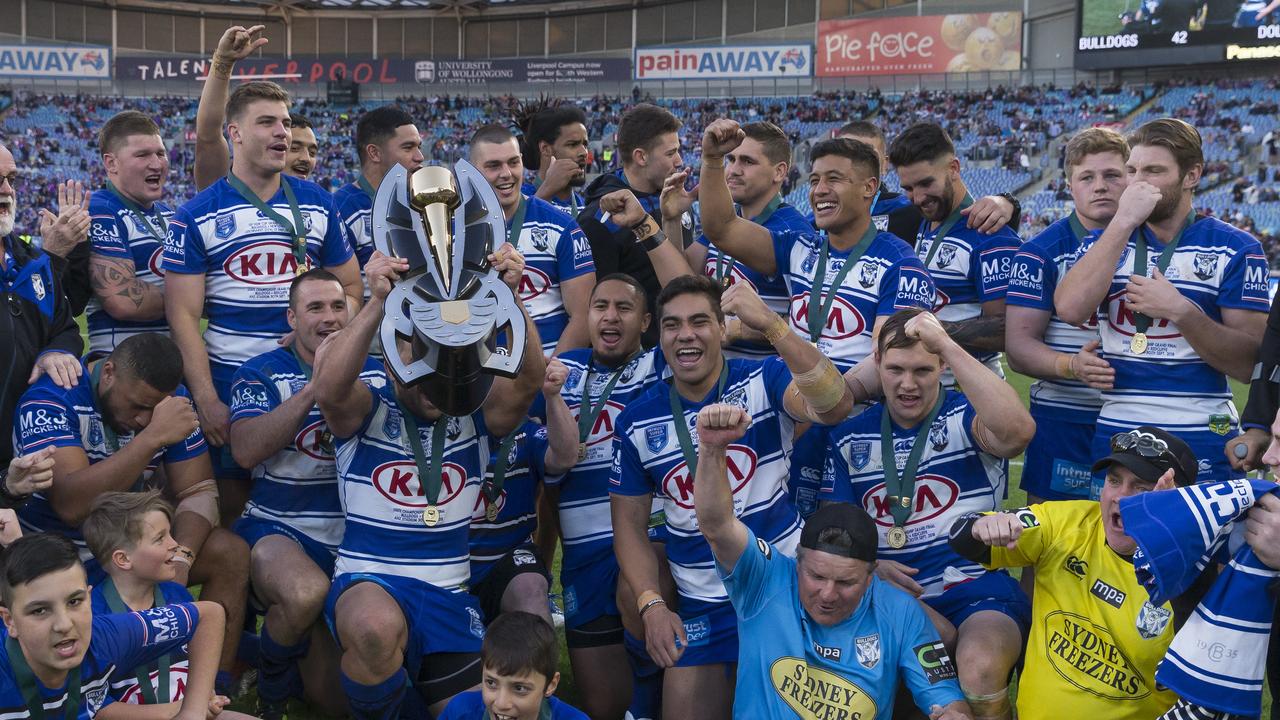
column 789, row 665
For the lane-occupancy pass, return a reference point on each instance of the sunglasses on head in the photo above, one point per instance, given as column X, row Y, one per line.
column 1144, row 444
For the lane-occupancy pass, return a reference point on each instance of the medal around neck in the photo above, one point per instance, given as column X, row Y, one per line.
column 451, row 306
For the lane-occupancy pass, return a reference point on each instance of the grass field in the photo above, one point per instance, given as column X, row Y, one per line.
column 1102, row 17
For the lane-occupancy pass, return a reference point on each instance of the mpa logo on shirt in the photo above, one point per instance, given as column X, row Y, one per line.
column 398, row 482
column 678, row 484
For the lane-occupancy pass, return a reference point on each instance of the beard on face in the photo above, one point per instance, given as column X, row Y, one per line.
column 1167, row 205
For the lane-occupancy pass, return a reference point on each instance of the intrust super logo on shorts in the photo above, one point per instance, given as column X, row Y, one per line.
column 815, row 693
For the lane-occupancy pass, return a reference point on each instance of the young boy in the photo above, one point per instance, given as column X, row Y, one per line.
column 129, row 535
column 519, row 658
column 56, row 655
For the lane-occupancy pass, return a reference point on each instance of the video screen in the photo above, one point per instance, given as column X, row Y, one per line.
column 1152, row 24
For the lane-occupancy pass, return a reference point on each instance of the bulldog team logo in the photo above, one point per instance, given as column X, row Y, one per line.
column 539, row 237
column 37, row 287
column 946, row 254
column 1206, row 265
column 1152, row 620
column 868, row 649
column 938, row 435
column 810, row 260
column 868, row 274
column 96, row 437
column 628, row 373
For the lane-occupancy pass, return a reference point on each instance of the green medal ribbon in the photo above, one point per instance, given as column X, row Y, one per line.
column 1142, row 322
column 113, row 442
column 306, row 369
column 492, row 488
column 818, row 319
column 430, row 476
column 1077, row 228
column 142, row 673
column 903, row 486
column 945, row 228
column 724, row 263
column 517, row 223
column 588, row 411
column 27, row 684
column 156, row 229
column 297, row 230
column 366, row 186
column 682, row 427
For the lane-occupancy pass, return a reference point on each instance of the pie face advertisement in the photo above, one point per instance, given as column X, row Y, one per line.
column 924, row 44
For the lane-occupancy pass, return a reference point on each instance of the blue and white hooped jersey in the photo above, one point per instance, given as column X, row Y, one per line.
column 648, row 460
column 555, row 250
column 586, row 529
column 955, row 477
column 886, row 279
column 50, row 416
column 772, row 290
column 116, row 233
column 384, row 500
column 247, row 260
column 124, row 640
column 124, row 681
column 298, row 486
column 356, row 209
column 1037, row 267
column 968, row 269
column 570, row 208
column 1216, row 266
column 517, row 503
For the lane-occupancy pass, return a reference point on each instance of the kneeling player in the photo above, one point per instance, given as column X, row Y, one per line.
column 917, row 461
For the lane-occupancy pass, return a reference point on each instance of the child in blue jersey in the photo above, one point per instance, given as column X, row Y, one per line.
column 129, row 225
column 822, row 619
column 553, row 145
column 1181, row 301
column 970, row 267
column 58, row 655
column 917, row 461
column 559, row 271
column 1066, row 396
column 519, row 658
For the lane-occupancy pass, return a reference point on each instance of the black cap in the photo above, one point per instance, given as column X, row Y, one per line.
column 1149, row 469
column 857, row 525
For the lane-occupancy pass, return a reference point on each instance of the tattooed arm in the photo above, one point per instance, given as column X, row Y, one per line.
column 122, row 294
column 981, row 334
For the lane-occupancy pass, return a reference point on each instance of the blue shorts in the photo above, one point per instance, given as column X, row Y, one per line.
column 253, row 529
column 439, row 621
column 590, row 592
column 712, row 632
column 808, row 457
column 1058, row 459
column 994, row 590
column 1209, row 448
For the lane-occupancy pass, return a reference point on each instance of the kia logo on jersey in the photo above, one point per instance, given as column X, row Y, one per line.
column 312, row 441
column 269, row 262
column 482, row 506
column 678, row 483
column 940, row 299
column 602, row 428
column 533, row 283
column 934, row 495
column 398, row 482
column 844, row 320
column 731, row 278
column 156, row 262
column 1124, row 320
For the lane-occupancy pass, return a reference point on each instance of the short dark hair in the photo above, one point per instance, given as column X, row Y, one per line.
column 318, row 274
column 692, row 285
column 922, row 142
column 641, row 127
column 33, row 556
column 150, row 357
column 542, row 122
column 518, row 642
column 629, row 280
column 861, row 128
column 121, row 126
column 298, row 120
column 251, row 92
column 893, row 334
column 378, row 126
column 492, row 133
column 858, row 152
column 115, row 521
column 776, row 144
column 1177, row 136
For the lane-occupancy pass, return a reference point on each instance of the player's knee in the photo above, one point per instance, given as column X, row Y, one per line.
column 370, row 624
column 228, row 556
column 527, row 592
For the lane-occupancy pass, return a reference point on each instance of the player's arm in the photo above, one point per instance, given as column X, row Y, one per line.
column 1230, row 346
column 1028, row 354
column 184, row 307
column 213, row 157
column 195, row 494
column 718, row 426
column 343, row 397
column 696, row 255
column 817, row 392
column 203, row 654
column 981, row 334
column 745, row 241
column 659, row 243
column 254, row 439
column 510, row 398
column 348, row 274
column 122, row 294
column 576, row 294
column 1085, row 285
column 562, row 431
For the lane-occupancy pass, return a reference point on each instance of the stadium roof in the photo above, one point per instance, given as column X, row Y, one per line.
column 371, row 4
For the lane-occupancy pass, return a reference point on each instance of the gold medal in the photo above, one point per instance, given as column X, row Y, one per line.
column 582, row 451
column 431, row 516
column 491, row 512
column 897, row 537
column 1138, row 344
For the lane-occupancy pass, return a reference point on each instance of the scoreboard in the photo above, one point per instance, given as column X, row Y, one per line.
column 1148, row 33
